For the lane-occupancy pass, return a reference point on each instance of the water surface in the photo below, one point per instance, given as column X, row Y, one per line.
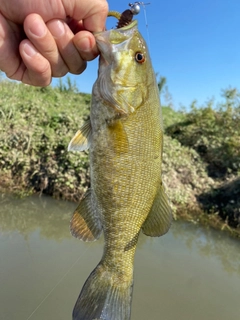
column 189, row 274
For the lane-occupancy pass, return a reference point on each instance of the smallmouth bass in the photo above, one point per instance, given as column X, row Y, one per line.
column 124, row 136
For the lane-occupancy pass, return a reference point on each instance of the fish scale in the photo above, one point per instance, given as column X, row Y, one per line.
column 124, row 136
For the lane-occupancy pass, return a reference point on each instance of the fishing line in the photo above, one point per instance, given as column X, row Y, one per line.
column 145, row 15
column 58, row 282
column 135, row 8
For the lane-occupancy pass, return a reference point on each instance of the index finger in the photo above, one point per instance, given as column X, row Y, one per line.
column 93, row 13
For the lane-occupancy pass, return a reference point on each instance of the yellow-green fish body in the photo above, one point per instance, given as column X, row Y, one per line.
column 124, row 136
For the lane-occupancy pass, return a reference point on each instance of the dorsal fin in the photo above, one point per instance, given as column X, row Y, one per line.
column 82, row 139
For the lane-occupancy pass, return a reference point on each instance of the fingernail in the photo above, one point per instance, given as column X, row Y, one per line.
column 56, row 28
column 29, row 50
column 38, row 29
column 84, row 44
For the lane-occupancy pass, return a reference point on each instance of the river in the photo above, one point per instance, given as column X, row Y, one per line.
column 191, row 273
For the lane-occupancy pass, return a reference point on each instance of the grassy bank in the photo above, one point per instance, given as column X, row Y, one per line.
column 36, row 125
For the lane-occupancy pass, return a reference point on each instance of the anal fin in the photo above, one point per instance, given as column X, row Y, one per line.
column 159, row 219
column 85, row 223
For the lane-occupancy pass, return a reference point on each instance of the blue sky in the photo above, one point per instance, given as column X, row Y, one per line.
column 194, row 44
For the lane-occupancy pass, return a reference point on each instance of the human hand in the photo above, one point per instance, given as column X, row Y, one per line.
column 40, row 39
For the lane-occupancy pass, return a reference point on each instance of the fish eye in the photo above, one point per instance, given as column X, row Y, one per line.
column 139, row 57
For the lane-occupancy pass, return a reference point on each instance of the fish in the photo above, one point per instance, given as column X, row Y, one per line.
column 124, row 137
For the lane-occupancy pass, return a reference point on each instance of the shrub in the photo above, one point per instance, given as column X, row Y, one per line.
column 214, row 134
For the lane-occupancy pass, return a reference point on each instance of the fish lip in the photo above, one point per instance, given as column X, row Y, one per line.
column 102, row 44
column 104, row 48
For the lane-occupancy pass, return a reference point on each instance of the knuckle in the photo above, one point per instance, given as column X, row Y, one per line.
column 77, row 69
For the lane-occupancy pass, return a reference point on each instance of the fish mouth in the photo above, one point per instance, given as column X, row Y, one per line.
column 108, row 41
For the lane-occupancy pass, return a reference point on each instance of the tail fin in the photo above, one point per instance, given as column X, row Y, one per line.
column 103, row 297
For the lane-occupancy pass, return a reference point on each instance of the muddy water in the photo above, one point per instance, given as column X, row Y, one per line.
column 189, row 274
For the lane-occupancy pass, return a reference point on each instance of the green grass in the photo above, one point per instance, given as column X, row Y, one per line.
column 36, row 126
column 214, row 134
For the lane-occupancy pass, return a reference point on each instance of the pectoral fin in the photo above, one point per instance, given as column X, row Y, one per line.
column 160, row 217
column 81, row 140
column 85, row 223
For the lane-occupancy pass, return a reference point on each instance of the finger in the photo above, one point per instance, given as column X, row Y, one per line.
column 42, row 39
column 10, row 59
column 85, row 43
column 17, row 10
column 93, row 13
column 64, row 41
column 35, row 69
column 11, row 55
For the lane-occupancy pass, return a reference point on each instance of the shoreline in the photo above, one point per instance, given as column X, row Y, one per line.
column 194, row 214
column 36, row 125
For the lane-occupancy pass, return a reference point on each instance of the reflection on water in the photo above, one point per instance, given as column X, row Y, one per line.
column 190, row 273
column 29, row 214
column 211, row 243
